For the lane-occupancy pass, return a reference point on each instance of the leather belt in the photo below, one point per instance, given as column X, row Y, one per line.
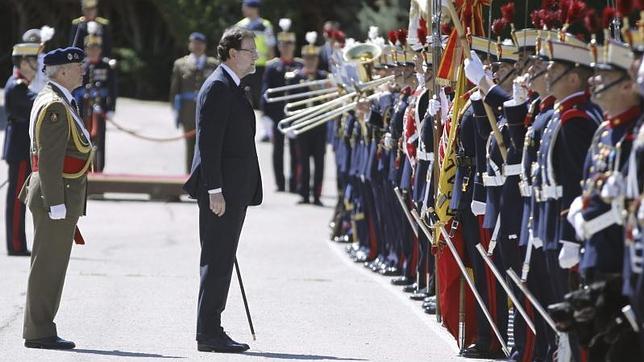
column 512, row 170
column 551, row 192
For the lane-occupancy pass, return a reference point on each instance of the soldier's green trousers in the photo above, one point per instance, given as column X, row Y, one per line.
column 49, row 259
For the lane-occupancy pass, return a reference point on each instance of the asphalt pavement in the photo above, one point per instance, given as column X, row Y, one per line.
column 131, row 291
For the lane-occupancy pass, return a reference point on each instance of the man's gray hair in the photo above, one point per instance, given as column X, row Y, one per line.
column 52, row 70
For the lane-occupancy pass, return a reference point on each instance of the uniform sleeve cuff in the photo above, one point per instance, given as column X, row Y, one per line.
column 214, row 191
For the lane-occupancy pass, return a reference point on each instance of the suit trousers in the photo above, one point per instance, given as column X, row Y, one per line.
column 219, row 238
column 49, row 259
column 14, row 209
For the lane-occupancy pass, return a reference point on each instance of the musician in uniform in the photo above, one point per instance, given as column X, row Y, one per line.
column 97, row 97
column 279, row 72
column 56, row 193
column 188, row 75
column 18, row 99
column 82, row 27
column 312, row 143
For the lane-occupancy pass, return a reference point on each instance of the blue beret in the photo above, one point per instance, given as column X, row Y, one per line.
column 197, row 36
column 62, row 56
column 252, row 3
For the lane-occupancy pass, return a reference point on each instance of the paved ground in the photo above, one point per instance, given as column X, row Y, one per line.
column 131, row 291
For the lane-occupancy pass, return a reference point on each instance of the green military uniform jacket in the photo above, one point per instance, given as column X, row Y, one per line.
column 187, row 79
column 61, row 156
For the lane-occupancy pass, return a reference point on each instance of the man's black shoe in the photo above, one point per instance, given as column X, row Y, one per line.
column 478, row 351
column 20, row 253
column 402, row 281
column 317, row 202
column 221, row 344
column 410, row 288
column 304, row 202
column 430, row 308
column 54, row 342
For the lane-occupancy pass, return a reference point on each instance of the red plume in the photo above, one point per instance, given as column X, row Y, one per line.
column 624, row 7
column 392, row 36
column 576, row 11
column 339, row 36
column 591, row 21
column 421, row 33
column 498, row 26
column 507, row 12
column 402, row 36
column 608, row 14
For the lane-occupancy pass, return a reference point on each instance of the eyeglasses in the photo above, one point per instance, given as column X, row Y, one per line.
column 251, row 51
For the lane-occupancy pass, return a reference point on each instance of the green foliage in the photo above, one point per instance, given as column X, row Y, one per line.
column 386, row 15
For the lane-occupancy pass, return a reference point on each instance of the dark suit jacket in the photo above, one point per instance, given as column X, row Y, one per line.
column 18, row 100
column 225, row 156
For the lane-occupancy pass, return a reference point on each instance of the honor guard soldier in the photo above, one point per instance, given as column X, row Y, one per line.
column 279, row 72
column 597, row 215
column 40, row 36
column 56, row 192
column 311, row 144
column 18, row 99
column 188, row 75
column 81, row 25
column 97, row 97
column 265, row 41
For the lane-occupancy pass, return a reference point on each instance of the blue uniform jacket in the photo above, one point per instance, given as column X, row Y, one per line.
column 18, row 100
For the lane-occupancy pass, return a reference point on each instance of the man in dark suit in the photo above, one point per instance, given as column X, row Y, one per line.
column 225, row 179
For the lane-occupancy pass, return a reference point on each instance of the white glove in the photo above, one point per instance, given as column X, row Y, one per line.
column 267, row 120
column 575, row 218
column 291, row 134
column 434, row 106
column 109, row 115
column 474, row 68
column 519, row 91
column 57, row 212
column 569, row 254
column 537, row 242
column 389, row 142
column 444, row 104
column 478, row 207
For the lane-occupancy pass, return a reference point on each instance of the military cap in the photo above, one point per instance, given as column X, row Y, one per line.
column 569, row 51
column 62, row 56
column 285, row 36
column 197, row 36
column 85, row 4
column 506, row 51
column 525, row 38
column 252, row 3
column 612, row 56
column 26, row 50
column 484, row 46
column 310, row 49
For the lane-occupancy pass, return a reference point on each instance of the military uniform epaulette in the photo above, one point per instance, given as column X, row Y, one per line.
column 98, row 19
column 272, row 61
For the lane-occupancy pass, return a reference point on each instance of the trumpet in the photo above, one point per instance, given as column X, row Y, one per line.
column 312, row 117
column 327, row 84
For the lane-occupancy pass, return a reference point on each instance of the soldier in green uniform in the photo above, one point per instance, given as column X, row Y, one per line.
column 90, row 22
column 188, row 74
column 56, row 192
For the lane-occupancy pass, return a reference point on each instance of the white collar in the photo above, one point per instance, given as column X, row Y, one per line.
column 231, row 73
column 196, row 58
column 65, row 91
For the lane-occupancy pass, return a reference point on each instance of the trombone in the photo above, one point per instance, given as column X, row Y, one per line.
column 328, row 86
